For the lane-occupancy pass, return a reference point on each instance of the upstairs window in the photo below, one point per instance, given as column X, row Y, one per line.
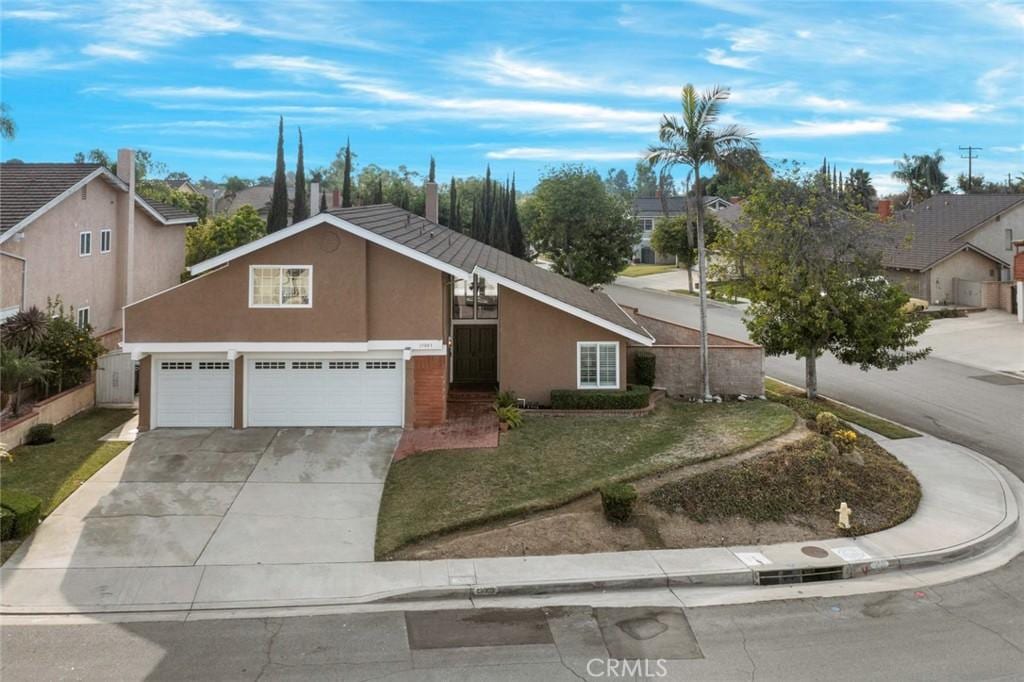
column 83, row 317
column 104, row 241
column 474, row 299
column 597, row 364
column 85, row 243
column 281, row 286
column 647, row 224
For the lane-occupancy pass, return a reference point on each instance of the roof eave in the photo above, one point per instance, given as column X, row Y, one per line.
column 36, row 214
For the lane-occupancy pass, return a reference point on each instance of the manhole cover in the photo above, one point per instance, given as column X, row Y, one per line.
column 999, row 379
column 816, row 552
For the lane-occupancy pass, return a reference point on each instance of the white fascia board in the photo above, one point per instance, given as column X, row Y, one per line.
column 27, row 220
column 329, row 219
column 416, row 347
column 564, row 307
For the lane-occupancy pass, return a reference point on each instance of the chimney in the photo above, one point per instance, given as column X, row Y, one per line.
column 431, row 209
column 734, row 200
column 314, row 198
column 126, row 171
column 884, row 209
column 336, row 198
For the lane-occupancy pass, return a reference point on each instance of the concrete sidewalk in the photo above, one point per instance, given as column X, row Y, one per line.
column 991, row 340
column 969, row 506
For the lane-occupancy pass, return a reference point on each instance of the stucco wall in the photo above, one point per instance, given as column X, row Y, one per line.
column 914, row 283
column 537, row 347
column 215, row 306
column 965, row 265
column 11, row 270
column 735, row 370
column 991, row 237
column 159, row 255
column 53, row 410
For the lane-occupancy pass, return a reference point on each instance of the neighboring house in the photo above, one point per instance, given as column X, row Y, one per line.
column 957, row 248
column 79, row 232
column 180, row 185
column 649, row 210
column 367, row 316
column 221, row 202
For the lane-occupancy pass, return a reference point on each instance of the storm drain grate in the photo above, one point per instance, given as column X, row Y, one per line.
column 800, row 575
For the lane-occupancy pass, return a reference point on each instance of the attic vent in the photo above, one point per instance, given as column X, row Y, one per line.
column 799, row 575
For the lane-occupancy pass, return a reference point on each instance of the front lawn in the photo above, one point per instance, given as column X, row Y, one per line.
column 808, row 409
column 641, row 269
column 550, row 461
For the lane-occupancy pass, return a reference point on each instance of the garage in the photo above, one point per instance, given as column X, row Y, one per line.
column 348, row 391
column 194, row 391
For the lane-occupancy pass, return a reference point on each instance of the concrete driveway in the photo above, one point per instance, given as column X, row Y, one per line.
column 184, row 497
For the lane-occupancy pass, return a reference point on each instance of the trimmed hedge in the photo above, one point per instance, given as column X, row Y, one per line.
column 25, row 508
column 40, row 434
column 644, row 363
column 617, row 501
column 633, row 398
column 7, row 520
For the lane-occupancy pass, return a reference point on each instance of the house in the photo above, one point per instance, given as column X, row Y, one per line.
column 367, row 316
column 649, row 210
column 79, row 232
column 258, row 196
column 180, row 185
column 956, row 248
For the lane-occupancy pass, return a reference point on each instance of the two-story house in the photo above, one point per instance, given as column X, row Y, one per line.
column 647, row 211
column 79, row 232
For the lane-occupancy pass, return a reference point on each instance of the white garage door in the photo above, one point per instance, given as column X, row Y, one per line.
column 194, row 392
column 324, row 392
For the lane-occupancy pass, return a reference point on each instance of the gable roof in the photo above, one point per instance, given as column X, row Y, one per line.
column 28, row 190
column 458, row 255
column 676, row 204
column 937, row 227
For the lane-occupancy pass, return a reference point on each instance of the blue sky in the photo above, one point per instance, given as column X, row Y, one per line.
column 521, row 86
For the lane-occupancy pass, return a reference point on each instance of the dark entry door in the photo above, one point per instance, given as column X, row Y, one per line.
column 476, row 354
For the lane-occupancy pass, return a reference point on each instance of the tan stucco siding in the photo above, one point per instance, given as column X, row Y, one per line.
column 215, row 306
column 11, row 272
column 537, row 347
column 992, row 238
column 913, row 282
column 398, row 283
column 966, row 265
column 159, row 255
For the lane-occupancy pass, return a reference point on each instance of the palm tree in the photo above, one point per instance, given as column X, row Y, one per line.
column 25, row 329
column 922, row 173
column 858, row 185
column 18, row 368
column 7, row 127
column 692, row 142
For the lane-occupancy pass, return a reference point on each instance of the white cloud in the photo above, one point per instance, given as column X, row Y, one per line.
column 228, row 154
column 33, row 15
column 101, row 51
column 40, row 59
column 563, row 154
column 825, row 128
column 197, row 92
column 505, row 69
column 995, row 82
column 1009, row 150
column 719, row 57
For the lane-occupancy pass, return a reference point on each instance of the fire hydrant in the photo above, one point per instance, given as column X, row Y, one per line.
column 844, row 515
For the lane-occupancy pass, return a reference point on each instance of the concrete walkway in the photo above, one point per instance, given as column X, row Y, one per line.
column 969, row 506
column 991, row 340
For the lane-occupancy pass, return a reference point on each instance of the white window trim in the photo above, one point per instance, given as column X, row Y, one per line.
column 78, row 316
column 579, row 378
column 109, row 235
column 252, row 268
column 83, row 254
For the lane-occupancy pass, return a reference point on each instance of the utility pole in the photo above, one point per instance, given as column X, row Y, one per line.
column 970, row 156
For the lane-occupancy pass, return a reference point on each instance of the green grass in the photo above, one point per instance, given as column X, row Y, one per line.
column 551, row 461
column 641, row 269
column 805, row 478
column 808, row 409
column 55, row 470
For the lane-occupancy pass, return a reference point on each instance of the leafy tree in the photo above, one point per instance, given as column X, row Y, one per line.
column 145, row 165
column 221, row 233
column 572, row 218
column 25, row 329
column 617, row 183
column 8, row 129
column 323, row 201
column 162, row 192
column 19, row 368
column 645, row 182
column 234, row 184
column 922, row 174
column 300, row 206
column 177, row 176
column 740, row 180
column 859, row 188
column 69, row 350
column 813, row 262
column 677, row 237
column 693, row 142
column 277, row 217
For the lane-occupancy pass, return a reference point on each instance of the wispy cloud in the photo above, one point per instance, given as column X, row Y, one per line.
column 720, row 57
column 826, row 128
column 41, row 15
column 218, row 93
column 564, row 154
column 1008, row 150
column 32, row 61
column 101, row 51
column 228, row 154
column 506, row 69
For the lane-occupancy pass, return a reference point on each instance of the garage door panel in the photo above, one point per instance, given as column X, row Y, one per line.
column 325, row 392
column 194, row 392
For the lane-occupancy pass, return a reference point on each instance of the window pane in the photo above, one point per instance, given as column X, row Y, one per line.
column 607, row 375
column 462, row 300
column 588, row 365
column 486, row 300
column 266, row 286
column 295, row 286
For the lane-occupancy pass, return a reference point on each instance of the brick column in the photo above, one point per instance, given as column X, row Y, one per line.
column 430, row 390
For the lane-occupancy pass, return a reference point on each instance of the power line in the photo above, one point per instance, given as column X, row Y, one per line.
column 970, row 156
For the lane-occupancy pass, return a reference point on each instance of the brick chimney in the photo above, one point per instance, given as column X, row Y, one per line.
column 430, row 212
column 336, row 198
column 126, row 171
column 314, row 198
column 884, row 209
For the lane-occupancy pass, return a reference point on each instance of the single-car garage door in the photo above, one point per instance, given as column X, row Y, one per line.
column 324, row 392
column 194, row 392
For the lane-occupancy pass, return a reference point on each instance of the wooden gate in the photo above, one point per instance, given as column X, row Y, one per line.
column 115, row 379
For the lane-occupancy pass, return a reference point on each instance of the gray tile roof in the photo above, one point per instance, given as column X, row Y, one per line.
column 170, row 212
column 931, row 228
column 676, row 205
column 27, row 187
column 465, row 253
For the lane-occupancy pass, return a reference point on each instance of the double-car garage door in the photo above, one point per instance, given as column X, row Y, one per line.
column 292, row 391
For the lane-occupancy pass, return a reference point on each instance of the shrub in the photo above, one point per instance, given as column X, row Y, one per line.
column 39, row 434
column 506, row 399
column 633, row 398
column 644, row 363
column 509, row 414
column 7, row 520
column 827, row 423
column 845, row 439
column 617, row 501
column 25, row 508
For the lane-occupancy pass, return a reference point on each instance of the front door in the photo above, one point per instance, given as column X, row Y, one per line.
column 476, row 354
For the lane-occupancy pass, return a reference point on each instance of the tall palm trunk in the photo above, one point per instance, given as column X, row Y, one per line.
column 705, row 366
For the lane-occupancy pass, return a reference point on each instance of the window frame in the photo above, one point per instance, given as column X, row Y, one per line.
column 78, row 316
column 84, row 242
column 107, row 235
column 579, row 367
column 282, row 268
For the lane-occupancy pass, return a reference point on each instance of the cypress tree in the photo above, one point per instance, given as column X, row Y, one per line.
column 277, row 217
column 323, row 201
column 378, row 192
column 453, row 207
column 516, row 243
column 430, row 173
column 486, row 204
column 300, row 207
column 346, row 179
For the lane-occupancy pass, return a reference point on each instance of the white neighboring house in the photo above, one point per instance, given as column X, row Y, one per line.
column 649, row 210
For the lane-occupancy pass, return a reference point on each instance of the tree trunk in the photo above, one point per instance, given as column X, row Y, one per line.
column 689, row 277
column 705, row 367
column 811, row 374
